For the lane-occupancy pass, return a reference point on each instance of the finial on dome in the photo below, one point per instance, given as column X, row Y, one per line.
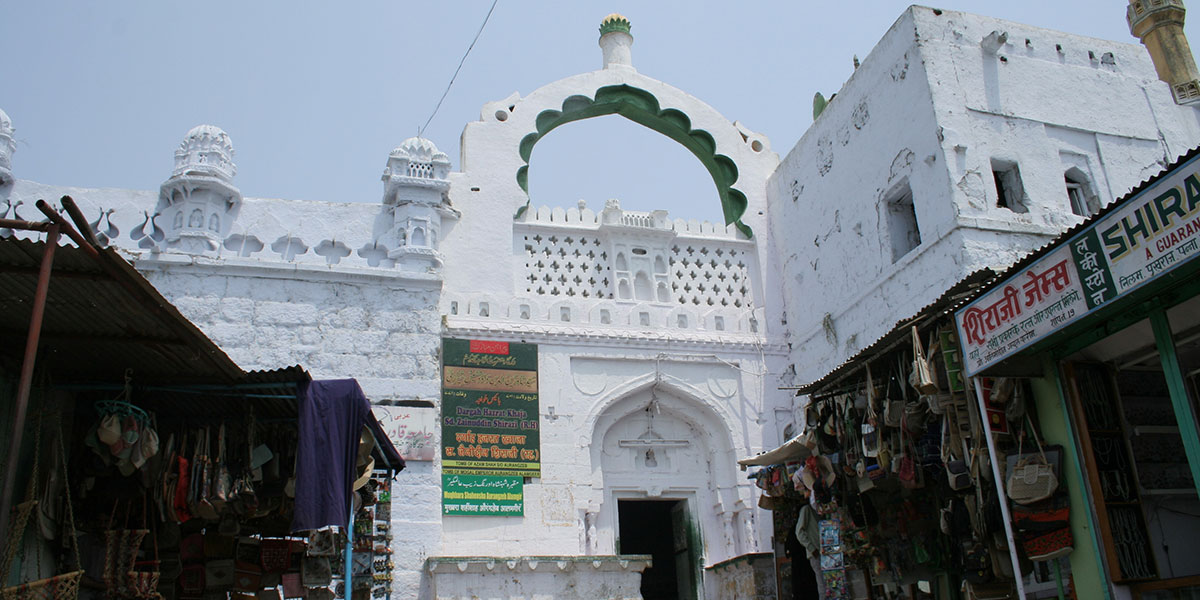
column 614, row 22
column 616, row 42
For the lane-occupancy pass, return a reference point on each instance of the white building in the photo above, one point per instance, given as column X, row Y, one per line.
column 962, row 142
column 663, row 343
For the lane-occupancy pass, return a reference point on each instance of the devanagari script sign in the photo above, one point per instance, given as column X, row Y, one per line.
column 1152, row 233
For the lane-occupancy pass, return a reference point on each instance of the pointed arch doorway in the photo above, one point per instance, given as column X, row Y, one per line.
column 659, row 457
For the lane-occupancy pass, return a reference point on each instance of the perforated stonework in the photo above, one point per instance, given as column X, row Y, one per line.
column 566, row 265
column 708, row 275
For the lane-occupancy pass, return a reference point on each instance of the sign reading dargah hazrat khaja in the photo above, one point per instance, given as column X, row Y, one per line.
column 490, row 431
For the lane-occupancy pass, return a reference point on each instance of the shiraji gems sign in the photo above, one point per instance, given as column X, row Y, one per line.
column 1150, row 234
column 490, row 431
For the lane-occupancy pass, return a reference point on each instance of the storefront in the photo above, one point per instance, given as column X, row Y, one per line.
column 143, row 463
column 891, row 479
column 1104, row 324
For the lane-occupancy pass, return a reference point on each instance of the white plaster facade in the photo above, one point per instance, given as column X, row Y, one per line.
column 943, row 100
column 663, row 343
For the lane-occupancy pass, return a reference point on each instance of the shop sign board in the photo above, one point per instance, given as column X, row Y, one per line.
column 490, row 408
column 1151, row 234
column 483, row 495
column 410, row 428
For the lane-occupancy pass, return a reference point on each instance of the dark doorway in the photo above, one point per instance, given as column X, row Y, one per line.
column 660, row 528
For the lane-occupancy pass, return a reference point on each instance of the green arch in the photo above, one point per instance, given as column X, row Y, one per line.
column 640, row 106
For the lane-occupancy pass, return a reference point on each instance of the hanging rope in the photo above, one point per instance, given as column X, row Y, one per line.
column 421, row 131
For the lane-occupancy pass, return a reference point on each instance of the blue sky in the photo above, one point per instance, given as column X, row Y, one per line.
column 315, row 95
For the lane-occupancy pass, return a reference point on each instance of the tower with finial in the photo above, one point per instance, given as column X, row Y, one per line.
column 199, row 202
column 616, row 42
column 1159, row 24
column 415, row 186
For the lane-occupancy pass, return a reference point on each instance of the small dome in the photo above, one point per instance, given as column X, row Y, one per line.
column 206, row 150
column 420, row 150
column 206, row 130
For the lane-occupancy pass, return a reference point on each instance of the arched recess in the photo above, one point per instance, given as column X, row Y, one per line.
column 642, row 107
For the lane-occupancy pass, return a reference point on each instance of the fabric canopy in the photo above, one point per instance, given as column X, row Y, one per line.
column 789, row 451
column 332, row 416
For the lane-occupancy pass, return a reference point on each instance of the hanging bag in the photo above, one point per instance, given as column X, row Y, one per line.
column 909, row 472
column 893, row 408
column 204, row 506
column 58, row 587
column 222, row 482
column 1032, row 479
column 958, row 474
column 142, row 579
column 922, row 375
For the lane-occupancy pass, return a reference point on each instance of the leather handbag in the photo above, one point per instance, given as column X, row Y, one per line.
column 922, row 375
column 1032, row 479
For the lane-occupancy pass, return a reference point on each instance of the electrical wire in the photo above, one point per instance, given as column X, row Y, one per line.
column 459, row 68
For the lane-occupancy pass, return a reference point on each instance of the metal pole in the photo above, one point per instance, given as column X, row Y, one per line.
column 349, row 572
column 26, row 381
column 1003, row 499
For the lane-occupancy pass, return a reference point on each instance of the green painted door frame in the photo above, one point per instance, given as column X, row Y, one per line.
column 1185, row 417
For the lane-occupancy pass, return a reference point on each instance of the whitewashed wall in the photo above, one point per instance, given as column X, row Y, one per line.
column 931, row 106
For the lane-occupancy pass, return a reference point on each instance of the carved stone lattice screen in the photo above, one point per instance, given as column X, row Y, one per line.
column 566, row 265
column 708, row 275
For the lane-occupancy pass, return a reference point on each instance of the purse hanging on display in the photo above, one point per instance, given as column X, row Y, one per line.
column 922, row 376
column 222, row 482
column 55, row 587
column 1032, row 479
column 204, row 507
column 910, row 472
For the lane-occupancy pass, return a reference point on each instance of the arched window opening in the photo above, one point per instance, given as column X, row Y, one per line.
column 612, row 157
column 642, row 289
column 1079, row 193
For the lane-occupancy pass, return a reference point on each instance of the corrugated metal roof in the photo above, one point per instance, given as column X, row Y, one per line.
column 101, row 317
column 947, row 301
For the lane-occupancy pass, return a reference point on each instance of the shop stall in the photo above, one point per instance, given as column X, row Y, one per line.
column 144, row 464
column 892, row 489
column 1104, row 325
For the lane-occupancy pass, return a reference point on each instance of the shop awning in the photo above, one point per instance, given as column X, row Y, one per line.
column 789, row 451
column 101, row 317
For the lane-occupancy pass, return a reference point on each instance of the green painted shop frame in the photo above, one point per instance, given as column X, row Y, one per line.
column 1045, row 360
column 642, row 107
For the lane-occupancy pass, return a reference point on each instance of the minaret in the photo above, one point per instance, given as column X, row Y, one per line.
column 616, row 42
column 7, row 148
column 1159, row 24
column 415, row 186
column 199, row 202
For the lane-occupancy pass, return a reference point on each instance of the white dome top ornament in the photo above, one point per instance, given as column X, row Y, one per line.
column 206, row 150
column 616, row 42
column 416, row 162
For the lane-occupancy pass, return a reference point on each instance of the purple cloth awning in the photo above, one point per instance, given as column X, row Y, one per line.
column 332, row 415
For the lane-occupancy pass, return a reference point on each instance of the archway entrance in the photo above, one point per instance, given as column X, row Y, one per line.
column 664, row 530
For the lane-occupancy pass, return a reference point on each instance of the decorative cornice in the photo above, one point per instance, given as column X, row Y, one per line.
column 617, row 336
column 453, row 565
column 250, row 267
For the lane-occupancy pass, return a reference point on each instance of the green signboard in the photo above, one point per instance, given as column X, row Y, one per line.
column 475, row 495
column 490, row 408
